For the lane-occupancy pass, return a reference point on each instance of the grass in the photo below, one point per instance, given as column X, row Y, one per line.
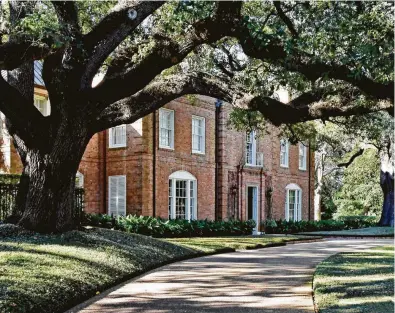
column 212, row 244
column 52, row 273
column 362, row 232
column 361, row 282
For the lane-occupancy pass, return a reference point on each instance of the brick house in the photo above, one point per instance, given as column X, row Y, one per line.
column 183, row 161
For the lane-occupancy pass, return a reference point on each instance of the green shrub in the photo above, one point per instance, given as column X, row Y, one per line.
column 157, row 227
column 358, row 221
column 344, row 223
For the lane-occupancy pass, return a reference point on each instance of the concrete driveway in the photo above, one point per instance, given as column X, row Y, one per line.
column 277, row 279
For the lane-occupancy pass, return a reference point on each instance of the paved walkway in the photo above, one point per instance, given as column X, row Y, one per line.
column 274, row 279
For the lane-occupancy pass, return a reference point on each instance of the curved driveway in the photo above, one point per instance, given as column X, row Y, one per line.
column 274, row 279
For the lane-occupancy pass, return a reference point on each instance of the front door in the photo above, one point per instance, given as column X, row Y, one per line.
column 252, row 206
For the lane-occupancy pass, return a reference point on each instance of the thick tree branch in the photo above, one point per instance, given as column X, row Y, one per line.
column 68, row 19
column 111, row 31
column 161, row 91
column 125, row 78
column 285, row 19
column 275, row 53
column 306, row 107
column 23, row 115
column 13, row 54
column 353, row 157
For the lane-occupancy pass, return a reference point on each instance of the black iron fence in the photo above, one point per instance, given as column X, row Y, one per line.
column 8, row 194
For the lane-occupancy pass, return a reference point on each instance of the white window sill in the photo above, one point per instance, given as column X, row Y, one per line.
column 284, row 166
column 198, row 152
column 166, row 148
column 117, row 146
column 303, row 169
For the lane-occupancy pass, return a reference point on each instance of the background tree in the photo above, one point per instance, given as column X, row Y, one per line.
column 335, row 57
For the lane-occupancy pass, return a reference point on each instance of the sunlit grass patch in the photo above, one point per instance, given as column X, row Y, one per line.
column 50, row 273
column 360, row 282
column 365, row 232
column 210, row 244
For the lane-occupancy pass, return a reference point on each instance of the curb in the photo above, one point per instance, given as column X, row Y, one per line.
column 129, row 278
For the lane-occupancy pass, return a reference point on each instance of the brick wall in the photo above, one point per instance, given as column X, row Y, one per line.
column 146, row 193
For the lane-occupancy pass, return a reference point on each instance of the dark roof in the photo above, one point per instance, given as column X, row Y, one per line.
column 38, row 68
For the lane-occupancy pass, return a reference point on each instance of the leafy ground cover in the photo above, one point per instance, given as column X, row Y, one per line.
column 238, row 243
column 51, row 273
column 360, row 282
column 363, row 232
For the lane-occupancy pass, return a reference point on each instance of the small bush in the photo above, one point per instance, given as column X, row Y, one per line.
column 358, row 221
column 344, row 223
column 157, row 227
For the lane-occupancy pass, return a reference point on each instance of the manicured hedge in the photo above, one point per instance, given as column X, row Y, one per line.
column 344, row 223
column 157, row 227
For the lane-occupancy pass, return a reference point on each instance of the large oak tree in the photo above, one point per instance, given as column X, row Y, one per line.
column 336, row 58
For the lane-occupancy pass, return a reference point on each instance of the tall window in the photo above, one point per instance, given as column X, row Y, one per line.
column 117, row 136
column 293, row 203
column 198, row 134
column 302, row 156
column 79, row 180
column 182, row 196
column 284, row 151
column 251, row 148
column 166, row 128
column 117, row 195
column 42, row 105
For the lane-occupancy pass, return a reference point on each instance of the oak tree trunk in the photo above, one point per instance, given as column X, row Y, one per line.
column 46, row 196
column 387, row 185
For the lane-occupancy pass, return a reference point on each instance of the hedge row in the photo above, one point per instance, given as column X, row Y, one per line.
column 157, row 227
column 343, row 223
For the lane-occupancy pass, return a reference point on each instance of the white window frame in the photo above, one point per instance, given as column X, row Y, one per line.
column 109, row 195
column 258, row 206
column 80, row 177
column 202, row 136
column 111, row 143
column 188, row 177
column 284, row 154
column 252, row 135
column 302, row 157
column 171, row 139
column 46, row 108
column 298, row 202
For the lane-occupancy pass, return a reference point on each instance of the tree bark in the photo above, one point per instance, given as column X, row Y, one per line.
column 47, row 187
column 387, row 185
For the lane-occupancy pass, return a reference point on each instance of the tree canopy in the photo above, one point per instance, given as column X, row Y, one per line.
column 336, row 59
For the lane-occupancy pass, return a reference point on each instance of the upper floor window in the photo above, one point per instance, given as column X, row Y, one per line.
column 250, row 148
column 302, row 156
column 293, row 203
column 182, row 196
column 79, row 180
column 284, row 152
column 42, row 104
column 166, row 128
column 198, row 134
column 117, row 136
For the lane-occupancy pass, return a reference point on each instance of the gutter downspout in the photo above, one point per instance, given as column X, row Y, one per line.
column 309, row 181
column 218, row 104
column 105, row 170
column 154, row 164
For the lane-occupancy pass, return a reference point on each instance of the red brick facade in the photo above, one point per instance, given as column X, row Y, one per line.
column 148, row 193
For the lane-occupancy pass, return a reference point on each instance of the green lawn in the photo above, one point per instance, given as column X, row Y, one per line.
column 211, row 244
column 360, row 282
column 365, row 232
column 51, row 273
